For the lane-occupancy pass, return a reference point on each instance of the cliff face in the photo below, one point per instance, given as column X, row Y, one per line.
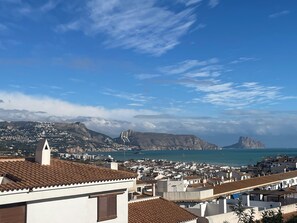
column 162, row 141
column 247, row 143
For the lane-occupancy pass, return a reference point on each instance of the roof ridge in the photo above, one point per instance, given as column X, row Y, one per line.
column 144, row 199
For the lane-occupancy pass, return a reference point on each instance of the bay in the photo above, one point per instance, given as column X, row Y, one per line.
column 231, row 157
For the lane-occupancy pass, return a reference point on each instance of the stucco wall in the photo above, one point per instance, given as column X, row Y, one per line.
column 74, row 210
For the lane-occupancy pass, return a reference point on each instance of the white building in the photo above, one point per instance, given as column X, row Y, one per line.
column 48, row 190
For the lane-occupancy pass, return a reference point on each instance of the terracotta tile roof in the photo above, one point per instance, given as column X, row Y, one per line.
column 251, row 183
column 158, row 210
column 26, row 174
column 192, row 177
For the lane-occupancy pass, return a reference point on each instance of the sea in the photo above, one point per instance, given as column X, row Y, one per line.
column 230, row 157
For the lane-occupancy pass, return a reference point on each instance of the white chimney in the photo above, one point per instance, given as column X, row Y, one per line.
column 43, row 153
column 113, row 165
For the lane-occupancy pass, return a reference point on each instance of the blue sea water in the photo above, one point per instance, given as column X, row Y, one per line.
column 232, row 157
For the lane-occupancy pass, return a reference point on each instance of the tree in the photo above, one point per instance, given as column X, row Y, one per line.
column 272, row 217
column 243, row 216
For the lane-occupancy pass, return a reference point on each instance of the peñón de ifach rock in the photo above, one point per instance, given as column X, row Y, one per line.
column 247, row 143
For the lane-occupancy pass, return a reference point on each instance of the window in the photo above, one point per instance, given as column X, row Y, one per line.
column 106, row 207
column 15, row 213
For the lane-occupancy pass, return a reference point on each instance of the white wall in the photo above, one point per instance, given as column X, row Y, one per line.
column 263, row 204
column 195, row 195
column 170, row 186
column 74, row 210
column 212, row 209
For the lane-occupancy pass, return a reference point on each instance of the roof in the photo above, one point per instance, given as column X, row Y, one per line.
column 192, row 177
column 25, row 174
column 237, row 186
column 158, row 210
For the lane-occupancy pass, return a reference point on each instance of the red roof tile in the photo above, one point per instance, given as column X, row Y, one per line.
column 158, row 210
column 27, row 175
column 251, row 183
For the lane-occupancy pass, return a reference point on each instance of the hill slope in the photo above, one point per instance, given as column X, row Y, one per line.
column 62, row 136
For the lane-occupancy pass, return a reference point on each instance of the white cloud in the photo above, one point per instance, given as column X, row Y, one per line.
column 136, row 27
column 279, row 14
column 18, row 106
column 63, row 109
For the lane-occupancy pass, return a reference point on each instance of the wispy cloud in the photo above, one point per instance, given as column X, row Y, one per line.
column 135, row 97
column 233, row 95
column 145, row 76
column 236, row 95
column 25, row 10
column 208, row 79
column 186, row 65
column 136, row 104
column 279, row 14
column 243, row 59
column 189, row 2
column 136, row 27
column 48, row 6
column 213, row 3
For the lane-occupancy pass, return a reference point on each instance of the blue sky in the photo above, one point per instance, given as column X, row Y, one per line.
column 214, row 68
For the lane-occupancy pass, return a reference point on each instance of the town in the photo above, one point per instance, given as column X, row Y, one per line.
column 188, row 191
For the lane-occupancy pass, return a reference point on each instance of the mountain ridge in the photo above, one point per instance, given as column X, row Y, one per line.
column 76, row 137
column 160, row 141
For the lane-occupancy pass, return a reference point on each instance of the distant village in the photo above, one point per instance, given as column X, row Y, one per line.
column 203, row 173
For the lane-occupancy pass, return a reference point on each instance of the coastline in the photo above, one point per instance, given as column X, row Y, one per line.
column 231, row 157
